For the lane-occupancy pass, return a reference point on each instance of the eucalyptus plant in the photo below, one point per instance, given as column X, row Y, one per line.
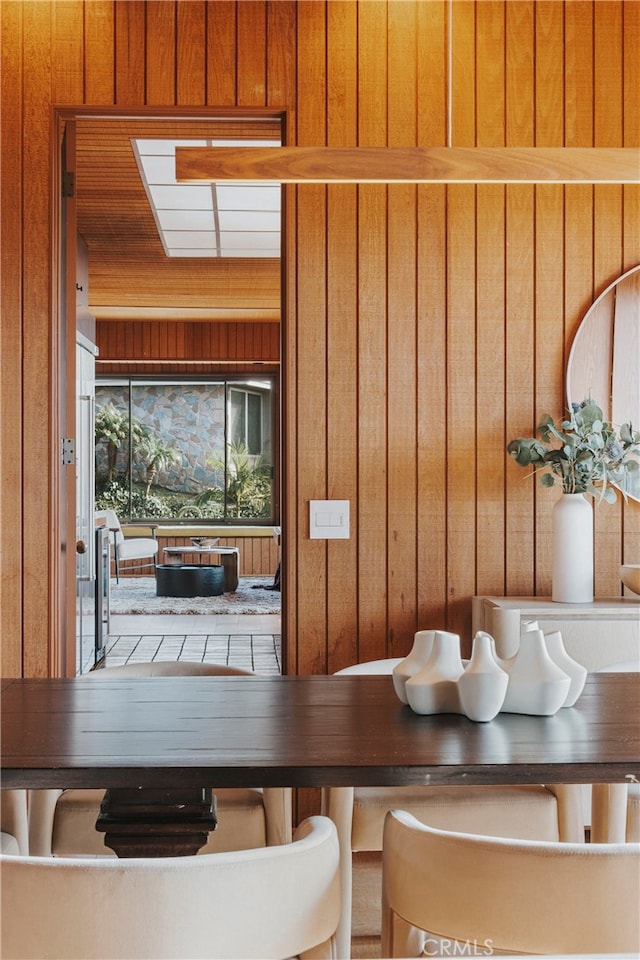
column 584, row 454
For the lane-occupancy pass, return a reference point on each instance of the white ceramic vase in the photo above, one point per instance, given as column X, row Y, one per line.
column 413, row 662
column 434, row 689
column 572, row 544
column 575, row 671
column 537, row 685
column 483, row 685
column 525, row 627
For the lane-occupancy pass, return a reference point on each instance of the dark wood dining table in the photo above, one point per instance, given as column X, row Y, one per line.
column 160, row 745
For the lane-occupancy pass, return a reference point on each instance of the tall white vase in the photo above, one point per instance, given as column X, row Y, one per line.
column 413, row 662
column 572, row 572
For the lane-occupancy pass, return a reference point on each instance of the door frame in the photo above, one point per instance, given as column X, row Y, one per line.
column 62, row 554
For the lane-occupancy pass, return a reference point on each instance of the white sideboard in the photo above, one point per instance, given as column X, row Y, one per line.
column 596, row 634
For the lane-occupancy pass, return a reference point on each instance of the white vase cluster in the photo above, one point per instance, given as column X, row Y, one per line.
column 539, row 679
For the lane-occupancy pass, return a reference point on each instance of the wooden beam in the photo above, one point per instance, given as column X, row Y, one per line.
column 195, row 314
column 408, row 165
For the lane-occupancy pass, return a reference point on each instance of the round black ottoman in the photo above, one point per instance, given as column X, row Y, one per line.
column 189, row 580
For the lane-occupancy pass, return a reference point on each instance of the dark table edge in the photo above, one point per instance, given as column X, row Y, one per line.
column 219, row 777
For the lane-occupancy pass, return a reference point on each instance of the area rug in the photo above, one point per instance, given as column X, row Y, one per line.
column 138, row 595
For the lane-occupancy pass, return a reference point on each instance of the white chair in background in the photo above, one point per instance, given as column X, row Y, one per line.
column 62, row 822
column 615, row 807
column 537, row 812
column 144, row 549
column 14, row 830
column 276, row 902
column 513, row 896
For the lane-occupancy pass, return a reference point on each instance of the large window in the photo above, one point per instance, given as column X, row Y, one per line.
column 187, row 450
column 246, row 419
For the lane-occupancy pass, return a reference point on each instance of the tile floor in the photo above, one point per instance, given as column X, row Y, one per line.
column 250, row 642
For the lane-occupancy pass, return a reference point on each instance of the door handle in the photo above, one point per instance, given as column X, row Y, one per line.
column 81, row 546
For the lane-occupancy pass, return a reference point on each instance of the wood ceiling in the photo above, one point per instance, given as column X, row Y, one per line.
column 130, row 277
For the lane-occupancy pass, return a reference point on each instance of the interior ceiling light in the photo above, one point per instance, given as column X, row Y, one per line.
column 209, row 220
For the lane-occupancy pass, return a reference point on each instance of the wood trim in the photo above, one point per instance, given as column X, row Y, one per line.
column 409, row 165
column 12, row 342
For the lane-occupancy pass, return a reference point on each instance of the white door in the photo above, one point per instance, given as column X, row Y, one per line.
column 85, row 526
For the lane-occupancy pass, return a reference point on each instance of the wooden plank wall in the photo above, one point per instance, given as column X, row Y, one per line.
column 424, row 327
column 258, row 555
column 139, row 347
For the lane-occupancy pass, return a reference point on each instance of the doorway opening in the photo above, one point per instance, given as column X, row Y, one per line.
column 170, row 294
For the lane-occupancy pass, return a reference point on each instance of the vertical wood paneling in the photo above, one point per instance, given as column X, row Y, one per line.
column 549, row 356
column 549, row 65
column 631, row 217
column 491, row 325
column 631, row 76
column 548, row 351
column 608, row 63
column 311, row 360
column 312, row 596
column 461, row 422
column 99, row 74
column 578, row 82
column 311, row 599
column 449, row 312
column 519, row 300
column 221, row 47
column 607, row 263
column 191, row 52
column 281, row 33
column 252, row 53
column 490, row 72
column 522, row 413
column 461, row 337
column 463, row 93
column 138, row 340
column 608, row 260
column 161, row 52
column 342, row 446
column 490, row 313
column 35, row 387
column 68, row 46
column 401, row 346
column 342, row 309
column 372, row 344
column 11, row 341
column 130, row 46
column 431, row 346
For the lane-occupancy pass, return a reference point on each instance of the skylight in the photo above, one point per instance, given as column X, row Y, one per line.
column 209, row 220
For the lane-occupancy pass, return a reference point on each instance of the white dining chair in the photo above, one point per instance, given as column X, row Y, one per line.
column 62, row 822
column 271, row 903
column 14, row 830
column 443, row 888
column 142, row 549
column 539, row 812
column 615, row 807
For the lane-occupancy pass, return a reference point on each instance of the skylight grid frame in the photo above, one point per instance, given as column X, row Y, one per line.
column 213, row 207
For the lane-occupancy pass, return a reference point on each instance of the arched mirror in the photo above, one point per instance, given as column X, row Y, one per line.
column 604, row 362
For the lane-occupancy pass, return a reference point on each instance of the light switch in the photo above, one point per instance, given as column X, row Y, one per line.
column 329, row 519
